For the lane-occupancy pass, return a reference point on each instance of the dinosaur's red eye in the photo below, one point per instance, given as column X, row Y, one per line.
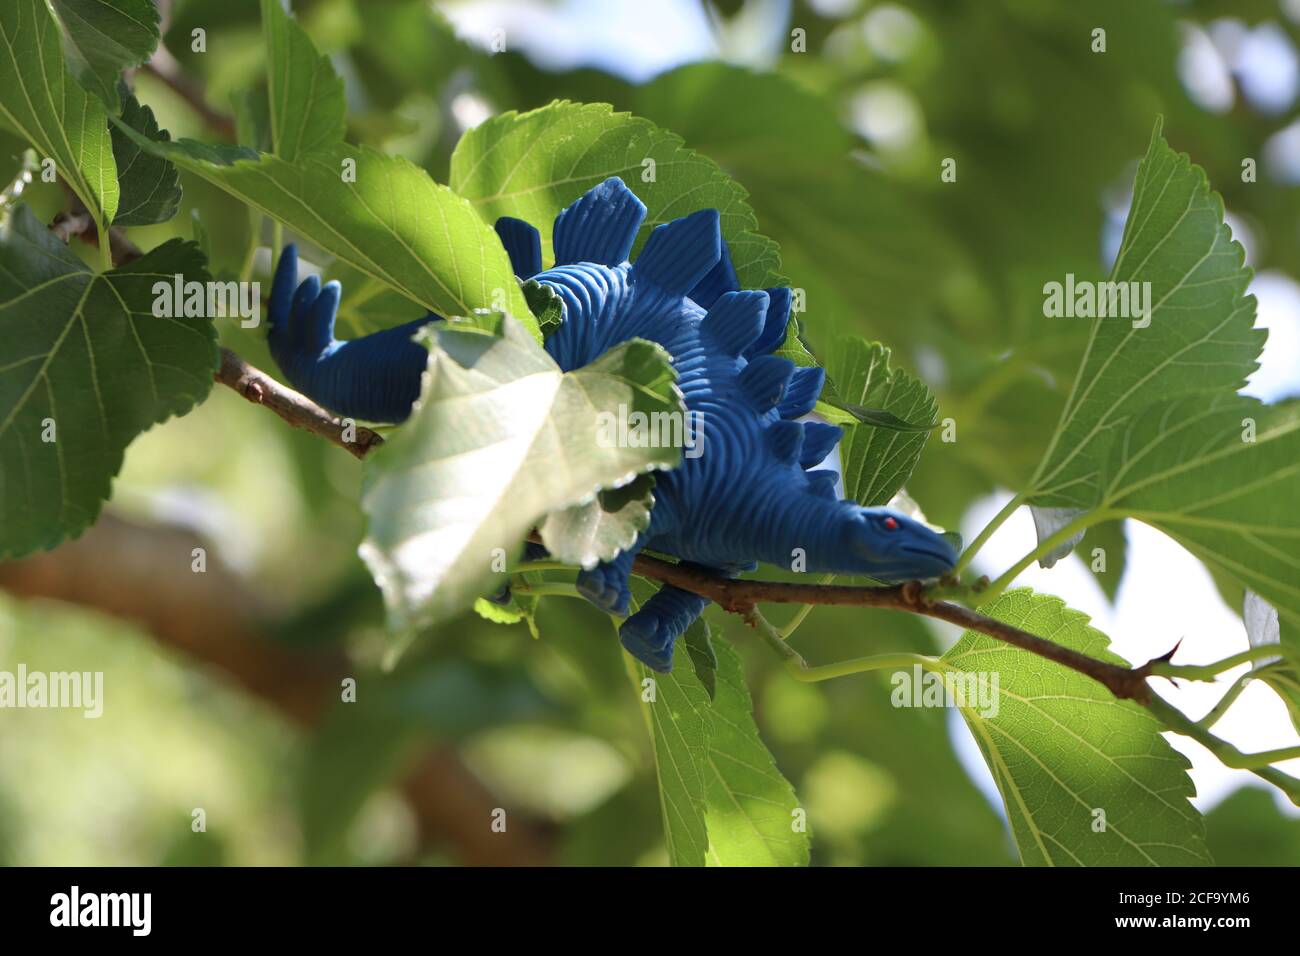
column 891, row 524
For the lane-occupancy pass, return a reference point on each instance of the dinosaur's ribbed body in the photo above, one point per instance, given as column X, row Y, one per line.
column 747, row 496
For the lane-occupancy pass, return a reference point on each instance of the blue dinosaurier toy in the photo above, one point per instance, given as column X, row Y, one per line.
column 750, row 495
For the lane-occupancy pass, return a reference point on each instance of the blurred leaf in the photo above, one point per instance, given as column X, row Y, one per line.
column 862, row 246
column 1063, row 750
column 306, row 99
column 364, row 744
column 532, row 165
column 252, row 110
column 101, row 38
column 876, row 462
column 149, row 185
column 91, row 368
column 54, row 114
column 1108, row 567
column 1247, row 829
column 501, row 436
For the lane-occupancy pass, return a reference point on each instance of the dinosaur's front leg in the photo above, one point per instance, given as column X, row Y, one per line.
column 650, row 633
column 375, row 377
column 606, row 585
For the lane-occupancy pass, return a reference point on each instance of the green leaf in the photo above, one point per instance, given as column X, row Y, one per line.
column 750, row 806
column 1200, row 335
column 521, row 608
column 876, row 462
column 832, row 406
column 1220, row 475
column 307, row 105
column 794, row 348
column 1062, row 748
column 46, row 107
column 394, row 223
column 87, row 367
column 1110, row 537
column 1263, row 628
column 1248, row 829
column 678, row 719
column 699, row 644
column 500, row 438
column 101, row 38
column 531, row 165
column 724, row 802
column 597, row 530
column 369, row 305
column 545, row 304
column 860, row 243
column 149, row 185
column 364, row 744
column 252, row 111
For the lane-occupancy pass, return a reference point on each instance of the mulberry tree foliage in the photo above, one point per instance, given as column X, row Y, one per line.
column 497, row 497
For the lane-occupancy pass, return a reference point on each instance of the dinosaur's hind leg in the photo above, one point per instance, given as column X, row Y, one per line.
column 606, row 586
column 650, row 633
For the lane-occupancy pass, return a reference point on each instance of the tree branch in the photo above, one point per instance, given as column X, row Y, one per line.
column 740, row 597
column 295, row 408
column 732, row 595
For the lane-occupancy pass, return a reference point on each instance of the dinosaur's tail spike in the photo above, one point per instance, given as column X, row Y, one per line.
column 279, row 307
column 785, row 439
column 599, row 227
column 680, row 253
column 823, row 482
column 778, row 317
column 307, row 293
column 317, row 329
column 719, row 280
column 735, row 320
column 764, row 381
column 803, row 392
column 818, row 440
column 523, row 245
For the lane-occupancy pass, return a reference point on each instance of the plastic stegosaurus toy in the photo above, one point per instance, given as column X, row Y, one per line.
column 751, row 495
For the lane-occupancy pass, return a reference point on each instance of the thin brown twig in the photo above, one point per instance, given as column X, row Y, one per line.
column 737, row 596
column 295, row 408
column 740, row 597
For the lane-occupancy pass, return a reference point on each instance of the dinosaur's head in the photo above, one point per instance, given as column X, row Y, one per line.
column 890, row 546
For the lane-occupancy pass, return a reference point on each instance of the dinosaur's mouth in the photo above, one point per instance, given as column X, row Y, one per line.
column 939, row 554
